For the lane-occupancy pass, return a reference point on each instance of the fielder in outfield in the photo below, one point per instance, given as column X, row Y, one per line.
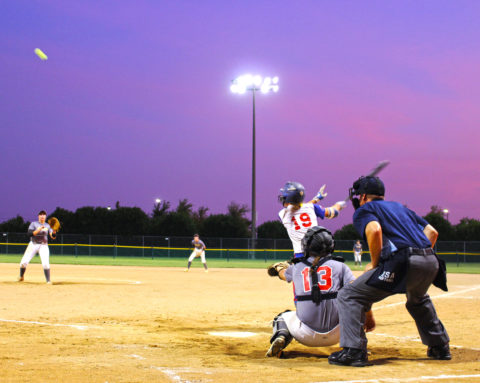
column 38, row 232
column 198, row 251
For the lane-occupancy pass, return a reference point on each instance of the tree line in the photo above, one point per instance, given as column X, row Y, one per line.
column 163, row 220
column 184, row 221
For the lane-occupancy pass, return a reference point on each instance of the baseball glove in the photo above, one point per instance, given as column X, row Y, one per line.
column 274, row 270
column 54, row 224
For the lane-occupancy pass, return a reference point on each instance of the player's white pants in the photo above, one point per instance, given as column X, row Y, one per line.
column 34, row 248
column 357, row 256
column 308, row 337
column 197, row 253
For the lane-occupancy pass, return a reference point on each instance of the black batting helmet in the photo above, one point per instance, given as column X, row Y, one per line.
column 318, row 241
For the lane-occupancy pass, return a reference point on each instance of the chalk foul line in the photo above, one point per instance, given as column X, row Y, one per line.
column 446, row 295
column 75, row 326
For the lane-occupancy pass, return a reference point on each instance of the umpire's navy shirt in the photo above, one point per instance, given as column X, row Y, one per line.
column 399, row 224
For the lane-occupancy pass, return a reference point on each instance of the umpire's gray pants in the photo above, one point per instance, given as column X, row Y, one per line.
column 356, row 298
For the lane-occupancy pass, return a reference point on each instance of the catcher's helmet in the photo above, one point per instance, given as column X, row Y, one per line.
column 292, row 192
column 318, row 241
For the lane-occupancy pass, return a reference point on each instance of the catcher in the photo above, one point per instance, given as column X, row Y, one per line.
column 39, row 232
column 317, row 277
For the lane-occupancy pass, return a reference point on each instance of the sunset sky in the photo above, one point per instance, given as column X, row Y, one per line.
column 133, row 102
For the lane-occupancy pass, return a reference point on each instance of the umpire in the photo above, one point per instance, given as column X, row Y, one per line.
column 402, row 261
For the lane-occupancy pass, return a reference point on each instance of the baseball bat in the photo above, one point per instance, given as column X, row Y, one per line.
column 377, row 169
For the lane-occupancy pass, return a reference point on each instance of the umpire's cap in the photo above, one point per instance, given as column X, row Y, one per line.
column 368, row 185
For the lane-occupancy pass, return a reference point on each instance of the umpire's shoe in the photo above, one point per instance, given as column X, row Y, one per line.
column 276, row 348
column 441, row 352
column 354, row 357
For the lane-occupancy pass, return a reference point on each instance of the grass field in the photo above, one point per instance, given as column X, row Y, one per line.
column 462, row 268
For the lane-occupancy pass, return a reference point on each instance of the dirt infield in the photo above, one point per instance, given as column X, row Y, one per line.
column 133, row 324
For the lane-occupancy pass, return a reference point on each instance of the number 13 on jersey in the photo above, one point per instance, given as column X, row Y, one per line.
column 324, row 278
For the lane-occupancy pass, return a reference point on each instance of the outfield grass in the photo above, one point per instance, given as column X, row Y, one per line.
column 463, row 268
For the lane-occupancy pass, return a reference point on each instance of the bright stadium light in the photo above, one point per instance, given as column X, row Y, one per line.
column 254, row 83
column 446, row 211
column 158, row 200
column 109, row 208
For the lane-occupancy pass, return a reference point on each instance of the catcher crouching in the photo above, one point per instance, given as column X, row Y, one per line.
column 317, row 277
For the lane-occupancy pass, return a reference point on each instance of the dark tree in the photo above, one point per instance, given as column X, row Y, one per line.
column 347, row 232
column 468, row 230
column 14, row 225
column 272, row 229
column 438, row 221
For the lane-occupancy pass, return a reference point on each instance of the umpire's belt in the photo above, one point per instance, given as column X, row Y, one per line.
column 323, row 297
column 414, row 251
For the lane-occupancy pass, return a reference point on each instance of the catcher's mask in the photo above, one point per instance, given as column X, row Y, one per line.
column 292, row 192
column 365, row 185
column 318, row 241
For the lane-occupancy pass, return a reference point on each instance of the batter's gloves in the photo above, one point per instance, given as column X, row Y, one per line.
column 321, row 193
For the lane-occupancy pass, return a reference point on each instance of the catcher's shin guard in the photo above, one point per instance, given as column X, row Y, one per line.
column 280, row 328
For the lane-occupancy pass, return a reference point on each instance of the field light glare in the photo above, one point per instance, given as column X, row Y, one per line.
column 255, row 83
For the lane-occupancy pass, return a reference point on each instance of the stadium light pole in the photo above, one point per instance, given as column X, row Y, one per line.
column 254, row 83
column 445, row 211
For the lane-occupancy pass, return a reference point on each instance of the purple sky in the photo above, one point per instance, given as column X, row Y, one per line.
column 134, row 102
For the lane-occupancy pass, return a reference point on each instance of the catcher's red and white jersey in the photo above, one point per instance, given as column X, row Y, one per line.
column 297, row 222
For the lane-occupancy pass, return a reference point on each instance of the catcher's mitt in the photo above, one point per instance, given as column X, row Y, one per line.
column 54, row 224
column 274, row 270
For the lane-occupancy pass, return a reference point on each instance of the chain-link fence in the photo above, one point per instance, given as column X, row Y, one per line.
column 228, row 248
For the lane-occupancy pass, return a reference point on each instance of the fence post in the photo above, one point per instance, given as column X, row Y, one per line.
column 89, row 244
column 152, row 252
column 464, row 252
column 265, row 254
column 221, row 247
column 458, row 263
column 115, row 248
column 143, row 246
column 168, row 251
column 6, row 250
column 61, row 241
column 76, row 250
column 275, row 249
column 228, row 255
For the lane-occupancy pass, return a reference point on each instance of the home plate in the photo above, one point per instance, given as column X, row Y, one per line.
column 233, row 334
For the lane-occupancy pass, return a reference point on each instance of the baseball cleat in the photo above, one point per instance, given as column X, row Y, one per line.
column 276, row 348
column 441, row 352
column 354, row 357
column 20, row 279
column 49, row 282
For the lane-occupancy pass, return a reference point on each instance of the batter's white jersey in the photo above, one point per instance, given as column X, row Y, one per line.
column 297, row 222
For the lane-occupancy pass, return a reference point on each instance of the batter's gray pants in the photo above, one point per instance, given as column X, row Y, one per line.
column 356, row 298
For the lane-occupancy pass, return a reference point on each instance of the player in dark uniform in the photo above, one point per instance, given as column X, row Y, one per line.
column 402, row 261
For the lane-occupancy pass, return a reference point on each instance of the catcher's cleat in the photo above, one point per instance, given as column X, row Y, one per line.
column 354, row 357
column 441, row 352
column 19, row 279
column 276, row 348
